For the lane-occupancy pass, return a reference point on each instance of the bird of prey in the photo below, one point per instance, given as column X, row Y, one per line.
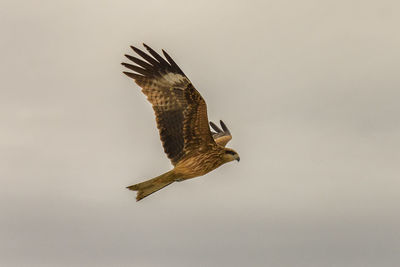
column 181, row 115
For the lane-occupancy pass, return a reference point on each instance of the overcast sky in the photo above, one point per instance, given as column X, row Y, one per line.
column 309, row 90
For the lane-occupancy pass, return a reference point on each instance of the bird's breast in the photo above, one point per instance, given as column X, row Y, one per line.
column 199, row 164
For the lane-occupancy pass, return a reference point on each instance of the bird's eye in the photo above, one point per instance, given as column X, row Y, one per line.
column 230, row 152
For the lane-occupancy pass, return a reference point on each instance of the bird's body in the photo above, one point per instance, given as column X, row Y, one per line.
column 181, row 116
column 199, row 163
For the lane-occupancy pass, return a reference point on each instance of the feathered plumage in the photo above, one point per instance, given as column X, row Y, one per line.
column 221, row 137
column 181, row 116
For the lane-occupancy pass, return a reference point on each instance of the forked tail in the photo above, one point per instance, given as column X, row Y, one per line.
column 150, row 186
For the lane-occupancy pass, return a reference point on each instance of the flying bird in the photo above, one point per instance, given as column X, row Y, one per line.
column 181, row 115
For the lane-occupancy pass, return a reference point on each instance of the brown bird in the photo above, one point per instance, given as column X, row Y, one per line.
column 181, row 115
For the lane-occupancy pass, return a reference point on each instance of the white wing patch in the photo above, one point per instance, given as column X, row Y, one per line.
column 174, row 78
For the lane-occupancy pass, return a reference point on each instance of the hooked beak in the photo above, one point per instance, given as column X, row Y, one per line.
column 237, row 158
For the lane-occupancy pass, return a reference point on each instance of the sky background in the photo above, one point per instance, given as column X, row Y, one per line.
column 309, row 90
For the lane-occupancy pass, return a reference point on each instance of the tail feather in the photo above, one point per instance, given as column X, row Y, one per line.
column 148, row 187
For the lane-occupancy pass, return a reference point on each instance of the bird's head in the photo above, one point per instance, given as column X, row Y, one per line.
column 230, row 155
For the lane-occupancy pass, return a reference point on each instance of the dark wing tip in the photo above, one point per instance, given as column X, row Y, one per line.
column 150, row 64
column 134, row 48
column 159, row 58
column 172, row 63
column 215, row 127
column 137, row 69
column 133, row 75
column 224, row 126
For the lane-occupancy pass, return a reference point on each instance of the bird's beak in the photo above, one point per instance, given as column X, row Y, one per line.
column 237, row 158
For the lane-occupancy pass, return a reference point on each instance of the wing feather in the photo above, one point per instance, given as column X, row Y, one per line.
column 133, row 75
column 221, row 137
column 140, row 62
column 161, row 61
column 173, row 64
column 137, row 69
column 146, row 57
column 181, row 112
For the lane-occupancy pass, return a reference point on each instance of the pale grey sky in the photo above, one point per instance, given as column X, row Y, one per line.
column 309, row 89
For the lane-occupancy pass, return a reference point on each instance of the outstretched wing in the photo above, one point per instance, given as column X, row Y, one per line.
column 221, row 137
column 181, row 112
